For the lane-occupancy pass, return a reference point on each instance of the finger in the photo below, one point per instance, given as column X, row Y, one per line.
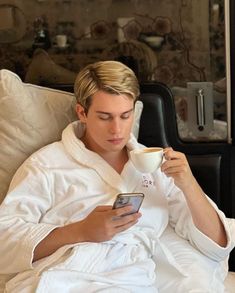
column 123, row 220
column 167, row 149
column 174, row 172
column 171, row 164
column 177, row 172
column 175, row 165
column 172, row 155
column 103, row 208
column 125, row 226
column 168, row 153
column 173, row 161
column 121, row 211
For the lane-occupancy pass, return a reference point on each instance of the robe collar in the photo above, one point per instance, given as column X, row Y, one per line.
column 123, row 182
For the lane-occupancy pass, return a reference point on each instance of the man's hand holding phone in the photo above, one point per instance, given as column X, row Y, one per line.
column 101, row 224
column 104, row 222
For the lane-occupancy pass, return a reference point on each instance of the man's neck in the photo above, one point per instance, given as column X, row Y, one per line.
column 116, row 159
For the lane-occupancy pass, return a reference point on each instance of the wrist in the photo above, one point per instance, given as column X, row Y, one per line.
column 73, row 233
column 191, row 185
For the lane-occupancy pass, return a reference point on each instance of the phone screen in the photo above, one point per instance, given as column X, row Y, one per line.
column 124, row 199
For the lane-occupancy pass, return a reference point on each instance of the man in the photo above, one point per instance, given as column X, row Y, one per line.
column 58, row 230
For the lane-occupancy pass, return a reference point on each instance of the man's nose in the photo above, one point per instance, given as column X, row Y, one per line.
column 115, row 126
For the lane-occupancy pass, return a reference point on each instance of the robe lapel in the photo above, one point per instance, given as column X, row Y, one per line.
column 83, row 156
column 130, row 176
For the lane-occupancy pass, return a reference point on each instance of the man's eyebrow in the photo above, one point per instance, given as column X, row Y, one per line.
column 108, row 113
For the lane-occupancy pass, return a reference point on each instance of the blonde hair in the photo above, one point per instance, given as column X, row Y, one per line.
column 110, row 76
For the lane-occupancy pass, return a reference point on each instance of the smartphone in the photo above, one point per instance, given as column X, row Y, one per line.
column 124, row 199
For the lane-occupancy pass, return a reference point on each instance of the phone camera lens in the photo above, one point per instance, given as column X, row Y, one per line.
column 123, row 200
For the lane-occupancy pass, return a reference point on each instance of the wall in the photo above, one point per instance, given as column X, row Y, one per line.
column 168, row 41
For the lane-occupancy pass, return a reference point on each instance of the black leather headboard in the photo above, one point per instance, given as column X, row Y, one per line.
column 158, row 117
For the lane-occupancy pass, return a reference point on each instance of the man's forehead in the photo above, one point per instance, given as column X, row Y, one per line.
column 117, row 112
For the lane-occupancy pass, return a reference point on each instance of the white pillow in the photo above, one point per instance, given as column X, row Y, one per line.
column 136, row 123
column 31, row 117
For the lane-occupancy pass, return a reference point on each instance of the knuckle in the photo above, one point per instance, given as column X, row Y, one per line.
column 116, row 212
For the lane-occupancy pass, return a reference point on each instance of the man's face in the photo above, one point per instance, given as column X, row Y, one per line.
column 108, row 122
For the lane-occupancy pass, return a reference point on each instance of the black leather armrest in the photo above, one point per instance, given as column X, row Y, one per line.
column 206, row 169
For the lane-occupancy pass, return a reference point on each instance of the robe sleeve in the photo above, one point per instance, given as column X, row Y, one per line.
column 29, row 197
column 181, row 220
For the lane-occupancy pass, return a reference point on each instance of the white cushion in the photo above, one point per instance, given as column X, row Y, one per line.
column 136, row 123
column 31, row 117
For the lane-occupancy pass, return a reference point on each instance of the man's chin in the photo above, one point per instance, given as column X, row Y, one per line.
column 116, row 146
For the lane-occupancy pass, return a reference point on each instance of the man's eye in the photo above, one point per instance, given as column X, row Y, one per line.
column 125, row 116
column 104, row 117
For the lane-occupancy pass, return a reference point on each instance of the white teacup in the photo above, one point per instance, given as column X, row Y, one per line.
column 61, row 41
column 147, row 160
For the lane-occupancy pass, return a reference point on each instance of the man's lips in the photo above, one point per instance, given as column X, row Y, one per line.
column 115, row 140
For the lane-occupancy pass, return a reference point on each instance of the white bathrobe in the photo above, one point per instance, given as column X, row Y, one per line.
column 62, row 183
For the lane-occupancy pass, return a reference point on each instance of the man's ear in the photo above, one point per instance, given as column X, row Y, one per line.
column 81, row 113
